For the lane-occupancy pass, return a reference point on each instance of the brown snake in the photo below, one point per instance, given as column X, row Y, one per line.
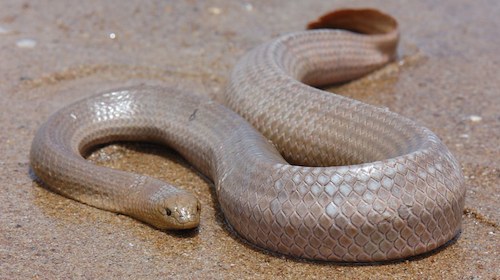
column 359, row 183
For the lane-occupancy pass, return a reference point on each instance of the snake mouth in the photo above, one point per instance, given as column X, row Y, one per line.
column 189, row 224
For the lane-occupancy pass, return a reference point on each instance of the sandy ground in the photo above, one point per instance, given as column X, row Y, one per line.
column 56, row 52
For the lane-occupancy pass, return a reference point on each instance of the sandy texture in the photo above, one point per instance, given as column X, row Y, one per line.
column 56, row 52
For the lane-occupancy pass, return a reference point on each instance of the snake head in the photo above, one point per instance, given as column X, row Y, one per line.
column 179, row 211
column 169, row 209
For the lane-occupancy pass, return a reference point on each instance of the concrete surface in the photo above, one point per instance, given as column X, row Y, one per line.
column 55, row 52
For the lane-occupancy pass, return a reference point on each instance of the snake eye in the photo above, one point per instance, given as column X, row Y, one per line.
column 169, row 212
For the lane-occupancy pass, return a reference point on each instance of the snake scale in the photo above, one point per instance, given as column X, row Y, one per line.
column 309, row 173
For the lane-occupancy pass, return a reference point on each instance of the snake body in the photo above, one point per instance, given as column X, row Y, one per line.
column 329, row 178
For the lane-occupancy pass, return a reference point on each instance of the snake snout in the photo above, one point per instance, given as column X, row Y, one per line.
column 182, row 212
column 187, row 217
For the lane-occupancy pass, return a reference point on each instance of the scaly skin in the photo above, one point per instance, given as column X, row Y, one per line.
column 366, row 184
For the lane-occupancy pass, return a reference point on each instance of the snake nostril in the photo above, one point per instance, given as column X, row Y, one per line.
column 168, row 211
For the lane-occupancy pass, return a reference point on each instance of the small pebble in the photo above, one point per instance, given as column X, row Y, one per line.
column 465, row 136
column 475, row 118
column 26, row 43
column 112, row 35
column 248, row 7
column 4, row 30
column 215, row 10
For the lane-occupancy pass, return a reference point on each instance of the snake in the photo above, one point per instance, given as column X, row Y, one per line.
column 297, row 170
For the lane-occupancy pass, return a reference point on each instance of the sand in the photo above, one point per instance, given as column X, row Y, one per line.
column 56, row 52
